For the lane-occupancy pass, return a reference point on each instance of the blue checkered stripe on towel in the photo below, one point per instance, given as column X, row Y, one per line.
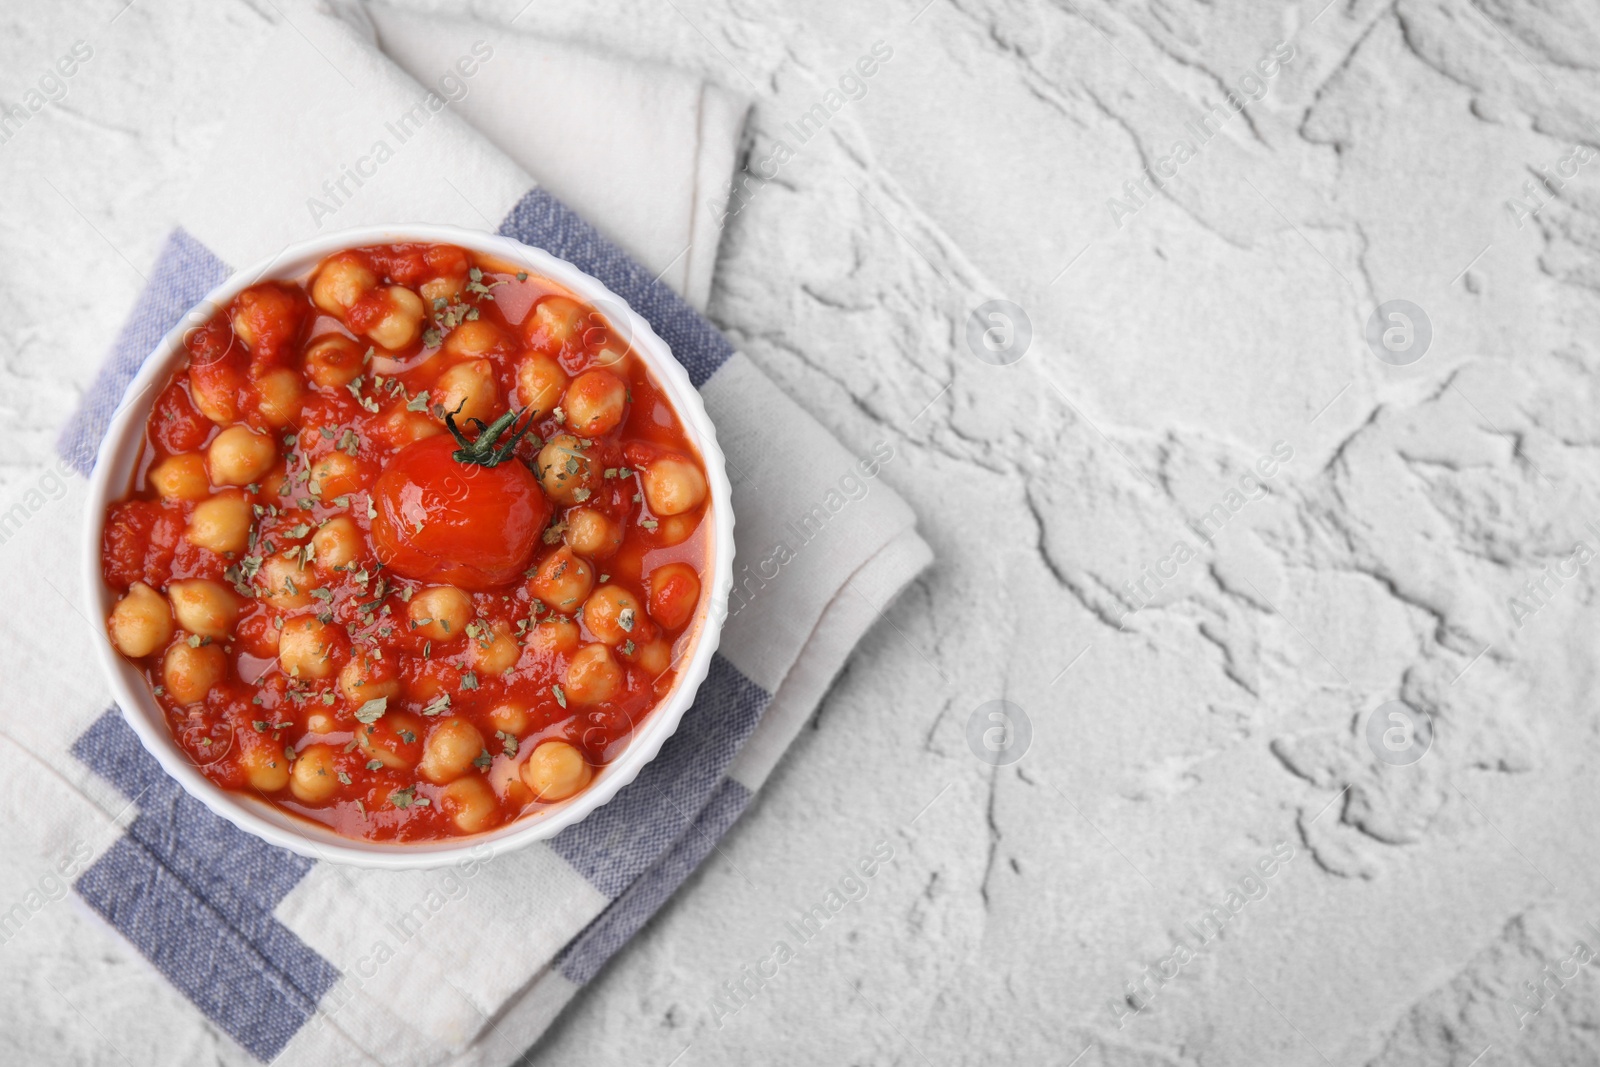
column 196, row 896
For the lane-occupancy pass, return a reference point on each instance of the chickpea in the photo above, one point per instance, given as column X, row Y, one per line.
column 675, row 529
column 335, row 474
column 242, row 329
column 204, row 607
column 493, row 650
column 555, row 771
column 314, row 776
column 334, row 361
column 337, row 543
column 393, row 740
column 181, row 477
column 367, row 678
column 281, row 394
column 239, row 455
column 505, row 778
column 272, row 483
column 434, row 678
column 403, row 426
column 593, row 677
column 221, row 523
column 595, row 403
column 469, row 386
column 590, row 532
column 441, row 288
column 674, row 592
column 306, row 648
column 470, row 804
column 510, row 716
column 216, row 395
column 654, row 657
column 265, row 764
column 564, row 472
column 440, row 613
column 476, row 337
column 342, row 281
column 188, row 672
column 321, row 722
column 540, row 384
column 141, row 622
column 399, row 327
column 554, row 322
column 613, row 615
column 451, row 748
column 556, row 635
column 285, row 583
column 562, row 580
column 673, row 485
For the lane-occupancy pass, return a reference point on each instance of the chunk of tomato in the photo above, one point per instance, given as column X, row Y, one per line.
column 413, row 264
column 217, row 365
column 269, row 317
column 140, row 540
column 175, row 423
column 674, row 592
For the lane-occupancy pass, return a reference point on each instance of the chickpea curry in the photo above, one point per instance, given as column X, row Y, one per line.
column 412, row 546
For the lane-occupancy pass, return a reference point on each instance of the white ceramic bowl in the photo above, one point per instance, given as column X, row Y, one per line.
column 113, row 474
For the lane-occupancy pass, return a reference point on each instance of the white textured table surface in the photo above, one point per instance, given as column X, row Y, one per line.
column 1190, row 709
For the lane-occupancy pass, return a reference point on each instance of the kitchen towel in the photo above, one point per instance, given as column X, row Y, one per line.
column 359, row 116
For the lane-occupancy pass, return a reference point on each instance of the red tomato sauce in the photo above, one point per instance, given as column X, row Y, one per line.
column 413, row 545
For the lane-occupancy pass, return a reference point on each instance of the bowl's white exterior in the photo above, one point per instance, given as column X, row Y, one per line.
column 119, row 451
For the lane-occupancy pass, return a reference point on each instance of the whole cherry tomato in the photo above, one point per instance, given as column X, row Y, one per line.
column 467, row 513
